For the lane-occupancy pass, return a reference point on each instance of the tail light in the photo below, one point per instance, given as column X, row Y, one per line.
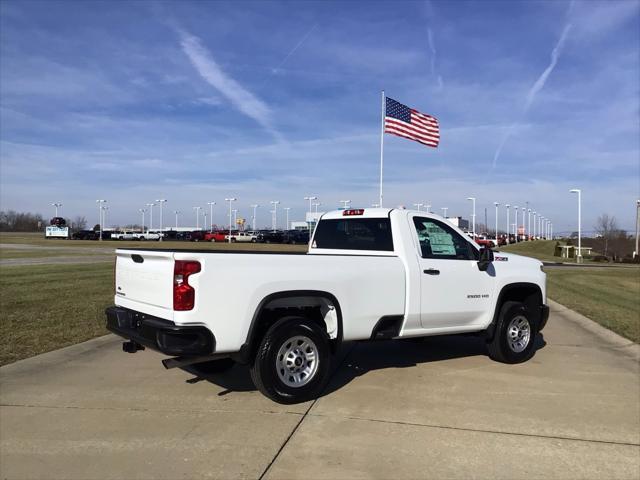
column 184, row 295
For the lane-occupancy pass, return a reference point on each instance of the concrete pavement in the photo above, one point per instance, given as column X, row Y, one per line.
column 434, row 407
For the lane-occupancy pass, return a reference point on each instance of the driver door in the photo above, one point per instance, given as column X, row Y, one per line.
column 454, row 292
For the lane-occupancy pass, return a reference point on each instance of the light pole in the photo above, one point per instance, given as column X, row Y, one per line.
column 317, row 204
column 204, row 217
column 444, row 210
column 160, row 202
column 230, row 200
column 150, row 205
column 142, row 211
column 104, row 216
column 579, row 192
column 496, row 204
column 508, row 229
column 524, row 222
column 275, row 213
column 428, row 207
column 197, row 209
column 57, row 204
column 515, row 231
column 211, row 204
column 345, row 204
column 418, row 205
column 287, row 210
column 636, row 253
column 473, row 216
column 176, row 212
column 100, row 202
column 253, row 221
column 310, row 198
column 534, row 224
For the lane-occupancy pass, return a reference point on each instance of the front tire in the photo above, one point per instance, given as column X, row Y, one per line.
column 514, row 337
column 292, row 364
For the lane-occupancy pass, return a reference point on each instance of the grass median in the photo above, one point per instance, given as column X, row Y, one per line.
column 46, row 307
column 609, row 296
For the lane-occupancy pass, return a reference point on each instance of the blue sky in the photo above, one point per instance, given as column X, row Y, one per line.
column 195, row 102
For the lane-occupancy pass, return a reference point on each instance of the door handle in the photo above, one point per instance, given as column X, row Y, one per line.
column 432, row 271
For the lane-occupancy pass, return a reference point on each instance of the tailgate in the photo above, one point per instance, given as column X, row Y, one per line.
column 144, row 281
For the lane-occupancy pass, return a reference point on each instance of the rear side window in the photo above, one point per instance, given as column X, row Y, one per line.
column 354, row 234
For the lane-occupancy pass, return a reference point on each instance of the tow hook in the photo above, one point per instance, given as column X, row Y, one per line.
column 131, row 347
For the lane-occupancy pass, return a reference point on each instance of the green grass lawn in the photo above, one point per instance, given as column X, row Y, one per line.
column 46, row 307
column 609, row 296
column 540, row 249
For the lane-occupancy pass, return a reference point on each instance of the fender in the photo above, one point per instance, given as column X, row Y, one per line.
column 503, row 292
column 246, row 349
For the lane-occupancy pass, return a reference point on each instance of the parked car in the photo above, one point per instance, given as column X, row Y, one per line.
column 196, row 236
column 146, row 236
column 58, row 222
column 122, row 236
column 174, row 235
column 244, row 237
column 368, row 274
column 85, row 235
column 215, row 237
column 272, row 237
column 296, row 237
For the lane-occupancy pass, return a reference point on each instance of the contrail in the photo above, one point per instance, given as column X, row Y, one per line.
column 210, row 71
column 293, row 50
column 535, row 89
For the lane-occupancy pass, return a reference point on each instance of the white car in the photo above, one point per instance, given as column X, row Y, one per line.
column 146, row 236
column 369, row 274
column 123, row 236
column 242, row 237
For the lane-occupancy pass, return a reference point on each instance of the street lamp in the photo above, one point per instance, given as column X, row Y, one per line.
column 197, row 209
column 579, row 192
column 204, row 217
column 211, row 204
column 176, row 212
column 310, row 198
column 345, row 203
column 104, row 216
column 100, row 202
column 275, row 213
column 230, row 200
column 473, row 216
column 253, row 222
column 524, row 222
column 496, row 204
column 515, row 231
column 534, row 224
column 444, row 210
column 287, row 210
column 150, row 205
column 636, row 253
column 428, row 207
column 508, row 229
column 317, row 204
column 57, row 204
column 142, row 211
column 161, row 201
column 418, row 205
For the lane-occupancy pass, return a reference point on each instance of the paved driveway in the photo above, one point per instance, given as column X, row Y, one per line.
column 436, row 408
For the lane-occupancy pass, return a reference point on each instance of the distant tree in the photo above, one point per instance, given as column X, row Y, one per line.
column 606, row 228
column 12, row 221
column 79, row 223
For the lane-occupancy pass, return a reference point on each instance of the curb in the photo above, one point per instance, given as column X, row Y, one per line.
column 614, row 341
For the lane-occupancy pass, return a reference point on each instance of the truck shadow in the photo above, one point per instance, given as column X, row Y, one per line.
column 358, row 358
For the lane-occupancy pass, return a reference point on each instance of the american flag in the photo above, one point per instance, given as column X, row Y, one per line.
column 409, row 123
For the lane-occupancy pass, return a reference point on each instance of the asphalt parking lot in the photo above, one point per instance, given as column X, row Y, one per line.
column 432, row 408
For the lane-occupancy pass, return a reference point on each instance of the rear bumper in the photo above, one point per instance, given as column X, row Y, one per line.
column 159, row 334
column 544, row 316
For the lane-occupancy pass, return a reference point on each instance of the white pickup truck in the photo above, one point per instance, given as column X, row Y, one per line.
column 369, row 274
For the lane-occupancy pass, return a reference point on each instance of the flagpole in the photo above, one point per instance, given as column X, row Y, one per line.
column 382, row 146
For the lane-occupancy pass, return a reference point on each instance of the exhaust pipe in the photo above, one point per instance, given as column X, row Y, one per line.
column 131, row 347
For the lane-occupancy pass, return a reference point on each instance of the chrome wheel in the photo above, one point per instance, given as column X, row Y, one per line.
column 297, row 361
column 518, row 334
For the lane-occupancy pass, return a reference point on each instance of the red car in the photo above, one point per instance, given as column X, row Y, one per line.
column 215, row 237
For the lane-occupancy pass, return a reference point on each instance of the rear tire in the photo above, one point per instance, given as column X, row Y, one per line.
column 292, row 364
column 515, row 334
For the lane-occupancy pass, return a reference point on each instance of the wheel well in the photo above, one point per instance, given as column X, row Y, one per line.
column 527, row 293
column 320, row 307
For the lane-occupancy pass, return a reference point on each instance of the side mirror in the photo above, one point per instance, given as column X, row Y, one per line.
column 486, row 257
